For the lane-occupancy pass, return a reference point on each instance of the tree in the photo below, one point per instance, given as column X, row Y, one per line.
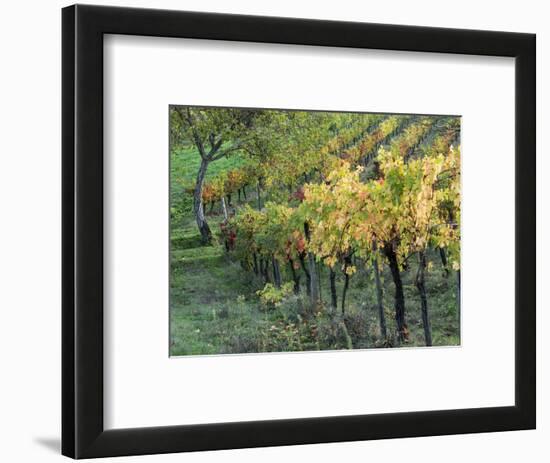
column 331, row 206
column 417, row 199
column 216, row 133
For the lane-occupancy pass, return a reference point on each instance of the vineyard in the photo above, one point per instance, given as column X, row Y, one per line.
column 299, row 231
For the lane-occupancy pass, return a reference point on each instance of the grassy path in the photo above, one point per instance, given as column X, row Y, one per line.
column 204, row 288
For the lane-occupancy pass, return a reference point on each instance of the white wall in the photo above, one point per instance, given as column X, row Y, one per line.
column 30, row 227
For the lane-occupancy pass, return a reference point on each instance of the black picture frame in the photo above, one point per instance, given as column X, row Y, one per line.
column 83, row 433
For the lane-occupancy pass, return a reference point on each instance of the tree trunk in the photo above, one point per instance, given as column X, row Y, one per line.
column 402, row 331
column 295, row 277
column 379, row 295
column 239, row 195
column 264, row 266
column 314, row 293
column 198, row 207
column 276, row 272
column 224, row 209
column 444, row 261
column 333, row 295
column 306, row 271
column 244, row 192
column 259, row 191
column 314, row 284
column 347, row 262
column 255, row 263
column 420, row 284
column 319, row 278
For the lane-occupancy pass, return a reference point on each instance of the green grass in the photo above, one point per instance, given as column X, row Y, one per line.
column 185, row 162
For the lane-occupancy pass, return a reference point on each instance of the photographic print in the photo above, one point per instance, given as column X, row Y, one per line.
column 296, row 230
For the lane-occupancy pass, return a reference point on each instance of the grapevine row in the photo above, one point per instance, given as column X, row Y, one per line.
column 388, row 219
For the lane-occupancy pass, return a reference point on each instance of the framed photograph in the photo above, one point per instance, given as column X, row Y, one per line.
column 285, row 231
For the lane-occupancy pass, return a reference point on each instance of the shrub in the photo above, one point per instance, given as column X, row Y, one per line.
column 271, row 296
